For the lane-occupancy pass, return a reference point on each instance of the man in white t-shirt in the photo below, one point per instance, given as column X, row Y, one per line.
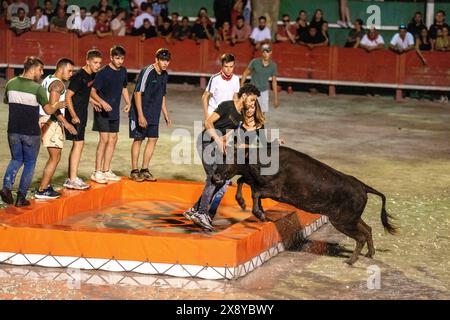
column 372, row 41
column 261, row 34
column 403, row 41
column 147, row 13
column 39, row 22
column 84, row 24
column 223, row 86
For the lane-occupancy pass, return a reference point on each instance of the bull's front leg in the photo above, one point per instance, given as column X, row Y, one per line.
column 257, row 209
column 240, row 200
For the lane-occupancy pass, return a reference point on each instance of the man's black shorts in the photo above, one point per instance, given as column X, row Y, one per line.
column 139, row 133
column 103, row 124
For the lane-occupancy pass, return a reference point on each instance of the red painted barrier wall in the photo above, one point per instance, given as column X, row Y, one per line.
column 327, row 63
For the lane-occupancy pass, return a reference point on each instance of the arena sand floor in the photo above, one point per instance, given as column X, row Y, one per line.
column 402, row 150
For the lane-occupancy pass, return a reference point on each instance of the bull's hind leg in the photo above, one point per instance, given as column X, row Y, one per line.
column 357, row 232
column 369, row 238
column 240, row 200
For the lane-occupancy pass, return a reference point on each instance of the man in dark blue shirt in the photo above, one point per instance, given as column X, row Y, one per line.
column 109, row 86
column 149, row 99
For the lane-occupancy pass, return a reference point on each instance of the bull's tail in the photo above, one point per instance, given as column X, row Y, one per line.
column 384, row 215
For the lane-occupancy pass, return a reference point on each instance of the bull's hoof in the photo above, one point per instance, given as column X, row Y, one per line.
column 370, row 255
column 260, row 215
column 241, row 203
column 350, row 261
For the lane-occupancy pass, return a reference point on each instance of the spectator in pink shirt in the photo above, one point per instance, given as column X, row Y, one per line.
column 287, row 32
column 241, row 31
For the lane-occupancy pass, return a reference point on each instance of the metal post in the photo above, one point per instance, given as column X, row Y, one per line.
column 429, row 13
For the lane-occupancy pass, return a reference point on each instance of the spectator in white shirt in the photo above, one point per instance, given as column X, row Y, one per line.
column 84, row 25
column 261, row 34
column 372, row 41
column 147, row 12
column 403, row 41
column 39, row 22
column 118, row 24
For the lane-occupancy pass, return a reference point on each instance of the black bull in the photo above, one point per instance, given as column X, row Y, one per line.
column 310, row 185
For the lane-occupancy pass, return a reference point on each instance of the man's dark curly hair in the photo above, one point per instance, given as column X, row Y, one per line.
column 248, row 89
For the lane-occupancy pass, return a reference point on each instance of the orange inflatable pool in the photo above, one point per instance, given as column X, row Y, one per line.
column 139, row 227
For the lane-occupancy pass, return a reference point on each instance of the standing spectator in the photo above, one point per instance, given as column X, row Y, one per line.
column 4, row 8
column 241, row 31
column 102, row 26
column 355, row 35
column 146, row 31
column 286, row 32
column 301, row 23
column 48, row 10
column 403, row 41
column 78, row 97
column 146, row 13
column 223, row 35
column 118, row 27
column 109, row 86
column 439, row 23
column 39, row 22
column 20, row 23
column 222, row 12
column 185, row 29
column 313, row 38
column 85, row 23
column 61, row 4
column 52, row 127
column 442, row 40
column 149, row 99
column 317, row 20
column 129, row 23
column 161, row 8
column 23, row 94
column 416, row 24
column 345, row 14
column 248, row 12
column 238, row 10
column 203, row 12
column 13, row 9
column 372, row 41
column 103, row 5
column 165, row 31
column 59, row 22
column 261, row 34
column 175, row 24
column 261, row 69
column 202, row 30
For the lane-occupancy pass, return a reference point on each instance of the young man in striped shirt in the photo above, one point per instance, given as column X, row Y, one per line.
column 149, row 99
column 24, row 95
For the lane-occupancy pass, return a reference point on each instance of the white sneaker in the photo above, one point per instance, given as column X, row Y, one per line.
column 81, row 184
column 76, row 184
column 109, row 175
column 98, row 177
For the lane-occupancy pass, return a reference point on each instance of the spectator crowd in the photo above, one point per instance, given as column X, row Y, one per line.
column 152, row 18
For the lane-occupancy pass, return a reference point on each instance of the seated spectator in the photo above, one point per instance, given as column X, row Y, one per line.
column 313, row 38
column 301, row 23
column 118, row 27
column 86, row 23
column 102, row 26
column 202, row 12
column 286, row 32
column 403, row 41
column 372, row 40
column 442, row 40
column 129, row 23
column 39, row 22
column 13, row 9
column 147, row 30
column 238, row 10
column 439, row 23
column 317, row 20
column 20, row 23
column 165, row 30
column 355, row 35
column 94, row 12
column 325, row 32
column 146, row 13
column 185, row 30
column 175, row 24
column 261, row 34
column 202, row 30
column 59, row 22
column 48, row 9
column 423, row 40
column 241, row 31
column 416, row 24
column 223, row 34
